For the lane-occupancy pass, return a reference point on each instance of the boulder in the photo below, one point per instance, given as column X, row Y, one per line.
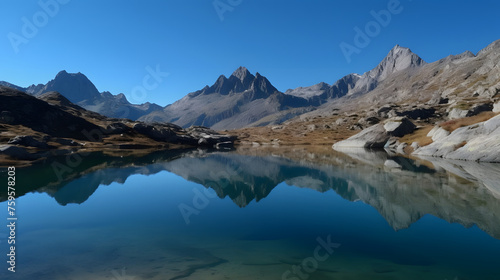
column 376, row 137
column 208, row 137
column 496, row 107
column 369, row 121
column 384, row 111
column 312, row 127
column 477, row 109
column 29, row 141
column 420, row 113
column 340, row 121
column 399, row 127
column 371, row 138
column 457, row 113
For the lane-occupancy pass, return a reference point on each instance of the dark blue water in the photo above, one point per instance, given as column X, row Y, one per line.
column 231, row 216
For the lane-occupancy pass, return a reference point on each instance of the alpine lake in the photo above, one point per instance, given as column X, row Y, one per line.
column 255, row 213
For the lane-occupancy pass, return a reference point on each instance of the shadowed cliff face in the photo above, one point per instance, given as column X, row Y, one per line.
column 401, row 189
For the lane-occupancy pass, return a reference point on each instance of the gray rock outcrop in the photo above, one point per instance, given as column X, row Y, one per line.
column 478, row 142
column 376, row 137
column 29, row 141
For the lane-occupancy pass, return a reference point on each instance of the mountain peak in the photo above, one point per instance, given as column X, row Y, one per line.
column 62, row 73
column 400, row 50
column 241, row 73
column 399, row 58
column 74, row 86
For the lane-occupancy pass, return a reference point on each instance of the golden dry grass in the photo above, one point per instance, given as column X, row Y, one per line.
column 454, row 124
column 419, row 136
column 325, row 132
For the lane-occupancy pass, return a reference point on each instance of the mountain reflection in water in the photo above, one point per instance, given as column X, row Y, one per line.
column 401, row 189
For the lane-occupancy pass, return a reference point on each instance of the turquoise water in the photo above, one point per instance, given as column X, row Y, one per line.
column 234, row 216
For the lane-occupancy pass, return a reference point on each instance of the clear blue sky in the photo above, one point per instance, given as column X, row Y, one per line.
column 293, row 43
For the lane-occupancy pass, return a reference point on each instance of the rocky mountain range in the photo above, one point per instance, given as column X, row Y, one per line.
column 240, row 100
column 78, row 89
column 451, row 87
column 244, row 100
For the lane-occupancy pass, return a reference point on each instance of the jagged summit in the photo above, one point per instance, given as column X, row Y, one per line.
column 240, row 81
column 241, row 73
column 398, row 59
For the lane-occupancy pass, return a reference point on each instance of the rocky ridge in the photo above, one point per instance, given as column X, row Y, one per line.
column 36, row 128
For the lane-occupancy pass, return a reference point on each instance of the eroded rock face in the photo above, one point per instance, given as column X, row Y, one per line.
column 478, row 142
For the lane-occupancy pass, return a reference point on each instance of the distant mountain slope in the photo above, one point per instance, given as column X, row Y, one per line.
column 397, row 59
column 78, row 89
column 454, row 83
column 230, row 103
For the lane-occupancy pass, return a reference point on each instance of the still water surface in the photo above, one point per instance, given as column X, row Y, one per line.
column 258, row 215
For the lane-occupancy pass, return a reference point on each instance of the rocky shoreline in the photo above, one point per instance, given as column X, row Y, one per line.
column 476, row 142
